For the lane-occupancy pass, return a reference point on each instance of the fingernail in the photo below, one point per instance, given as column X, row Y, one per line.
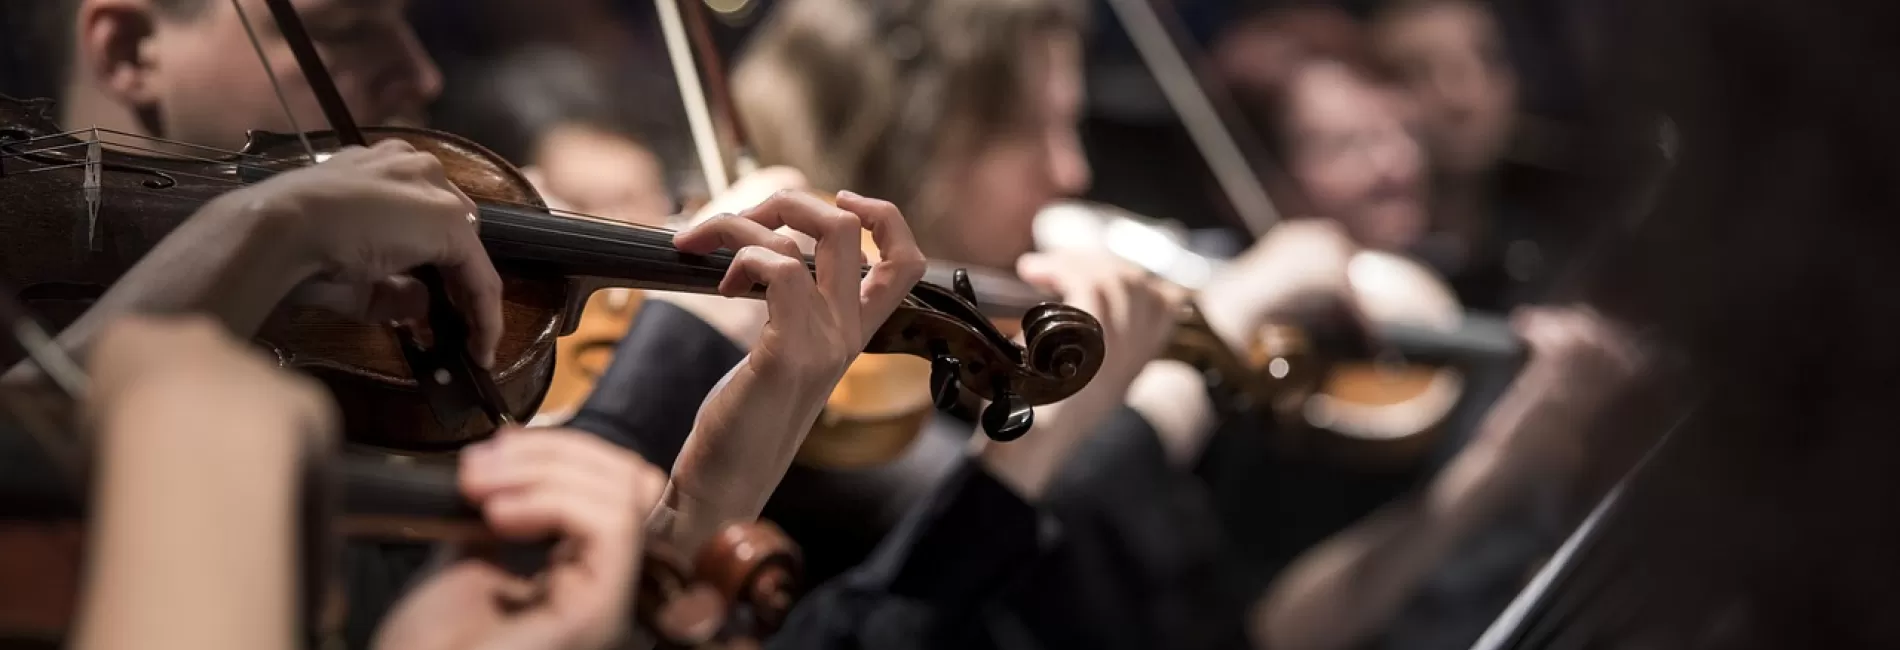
column 848, row 195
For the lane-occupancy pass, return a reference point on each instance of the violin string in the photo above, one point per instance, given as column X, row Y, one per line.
column 276, row 87
column 77, row 134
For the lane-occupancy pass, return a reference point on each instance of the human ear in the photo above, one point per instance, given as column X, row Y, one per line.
column 115, row 49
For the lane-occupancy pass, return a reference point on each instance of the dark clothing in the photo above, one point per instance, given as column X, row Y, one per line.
column 954, row 553
column 1135, row 566
column 662, row 371
column 1140, row 562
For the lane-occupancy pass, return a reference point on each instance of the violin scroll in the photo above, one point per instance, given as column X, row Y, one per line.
column 740, row 585
column 755, row 565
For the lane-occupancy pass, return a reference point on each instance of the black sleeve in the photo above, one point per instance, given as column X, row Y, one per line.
column 926, row 584
column 1138, row 564
column 662, row 371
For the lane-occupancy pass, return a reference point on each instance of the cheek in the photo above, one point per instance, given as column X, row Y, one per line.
column 1332, row 188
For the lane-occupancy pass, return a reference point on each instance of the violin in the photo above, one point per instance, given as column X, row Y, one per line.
column 738, row 585
column 549, row 264
column 1374, row 398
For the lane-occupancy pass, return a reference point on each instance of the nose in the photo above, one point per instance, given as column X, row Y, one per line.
column 1397, row 157
column 420, row 81
column 1069, row 165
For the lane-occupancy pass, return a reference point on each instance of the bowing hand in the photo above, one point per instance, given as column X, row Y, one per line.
column 367, row 216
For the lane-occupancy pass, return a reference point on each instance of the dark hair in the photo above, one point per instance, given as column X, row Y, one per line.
column 869, row 95
column 508, row 101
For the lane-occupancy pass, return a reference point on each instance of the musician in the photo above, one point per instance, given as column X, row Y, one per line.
column 1497, row 175
column 182, row 557
column 973, row 156
column 1430, row 565
column 133, row 77
column 975, row 172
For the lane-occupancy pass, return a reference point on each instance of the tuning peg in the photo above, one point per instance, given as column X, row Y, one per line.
column 1008, row 417
column 960, row 283
column 944, row 371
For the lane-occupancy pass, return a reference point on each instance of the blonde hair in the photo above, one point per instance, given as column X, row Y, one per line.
column 874, row 95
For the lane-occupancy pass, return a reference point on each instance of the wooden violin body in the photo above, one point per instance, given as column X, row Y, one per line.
column 1330, row 399
column 92, row 211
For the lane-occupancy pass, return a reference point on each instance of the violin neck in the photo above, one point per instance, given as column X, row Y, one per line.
column 622, row 254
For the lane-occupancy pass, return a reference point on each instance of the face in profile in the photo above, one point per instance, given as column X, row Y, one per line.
column 1352, row 157
column 990, row 204
column 199, row 80
column 603, row 174
column 1452, row 61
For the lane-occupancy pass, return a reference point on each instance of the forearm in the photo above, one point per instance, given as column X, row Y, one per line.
column 1346, row 589
column 742, row 444
column 233, row 262
column 1172, row 396
column 193, row 535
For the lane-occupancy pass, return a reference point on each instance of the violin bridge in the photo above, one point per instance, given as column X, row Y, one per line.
column 95, row 163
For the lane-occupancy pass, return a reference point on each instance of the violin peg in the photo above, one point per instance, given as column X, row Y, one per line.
column 960, row 283
column 944, row 371
column 1008, row 417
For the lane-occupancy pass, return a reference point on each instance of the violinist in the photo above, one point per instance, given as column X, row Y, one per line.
column 968, row 121
column 201, row 446
column 1497, row 171
column 132, row 55
column 1501, row 498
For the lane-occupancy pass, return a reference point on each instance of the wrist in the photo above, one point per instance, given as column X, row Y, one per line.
column 274, row 231
column 1173, row 397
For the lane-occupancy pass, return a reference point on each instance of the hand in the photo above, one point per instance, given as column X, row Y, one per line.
column 1578, row 362
column 534, row 484
column 1138, row 315
column 740, row 320
column 369, row 215
column 752, row 425
column 188, row 368
column 1297, row 272
column 814, row 329
column 1138, row 312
